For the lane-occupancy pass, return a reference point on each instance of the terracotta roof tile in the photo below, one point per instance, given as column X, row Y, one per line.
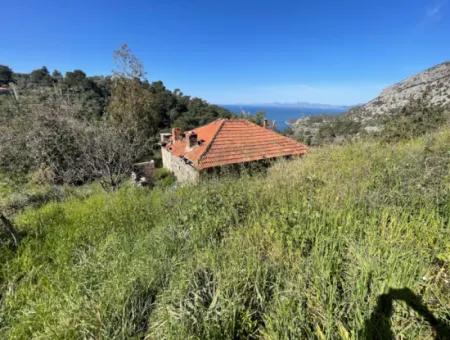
column 235, row 141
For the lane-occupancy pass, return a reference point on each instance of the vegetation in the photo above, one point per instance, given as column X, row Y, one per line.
column 322, row 247
column 414, row 119
column 5, row 75
column 351, row 242
column 74, row 129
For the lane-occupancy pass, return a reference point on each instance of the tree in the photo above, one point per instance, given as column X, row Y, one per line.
column 85, row 93
column 56, row 75
column 127, row 64
column 5, row 75
column 110, row 153
column 41, row 76
column 61, row 130
column 75, row 78
column 257, row 118
column 47, row 135
column 53, row 140
column 131, row 102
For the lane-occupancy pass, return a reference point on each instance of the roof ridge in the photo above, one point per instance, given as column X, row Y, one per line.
column 203, row 126
column 211, row 141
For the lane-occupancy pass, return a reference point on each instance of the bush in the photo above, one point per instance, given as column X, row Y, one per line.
column 344, row 127
column 5, row 75
column 414, row 120
column 58, row 148
column 163, row 177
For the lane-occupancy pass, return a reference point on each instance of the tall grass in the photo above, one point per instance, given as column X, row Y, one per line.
column 303, row 251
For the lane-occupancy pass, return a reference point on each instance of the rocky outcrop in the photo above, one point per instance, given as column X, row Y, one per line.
column 431, row 86
column 428, row 89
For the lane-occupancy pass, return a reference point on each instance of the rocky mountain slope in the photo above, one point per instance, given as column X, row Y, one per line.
column 432, row 86
column 428, row 90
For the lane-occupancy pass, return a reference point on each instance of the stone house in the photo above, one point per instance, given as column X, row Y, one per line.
column 224, row 142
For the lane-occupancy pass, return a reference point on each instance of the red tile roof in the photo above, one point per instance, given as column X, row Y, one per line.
column 232, row 141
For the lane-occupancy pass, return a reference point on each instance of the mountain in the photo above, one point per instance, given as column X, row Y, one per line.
column 432, row 86
column 423, row 99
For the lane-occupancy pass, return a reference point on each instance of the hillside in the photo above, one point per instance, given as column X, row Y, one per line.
column 316, row 248
column 431, row 86
column 88, row 97
column 425, row 91
column 74, row 128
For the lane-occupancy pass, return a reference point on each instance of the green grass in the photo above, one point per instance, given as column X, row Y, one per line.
column 303, row 251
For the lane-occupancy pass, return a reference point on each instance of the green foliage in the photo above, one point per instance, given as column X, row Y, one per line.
column 416, row 118
column 146, row 108
column 194, row 112
column 413, row 120
column 45, row 139
column 57, row 76
column 5, row 75
column 163, row 178
column 257, row 118
column 41, row 77
column 326, row 129
column 338, row 127
column 55, row 120
column 301, row 252
column 77, row 78
column 131, row 106
column 20, row 193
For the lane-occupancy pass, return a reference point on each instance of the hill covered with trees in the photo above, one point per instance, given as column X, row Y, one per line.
column 75, row 128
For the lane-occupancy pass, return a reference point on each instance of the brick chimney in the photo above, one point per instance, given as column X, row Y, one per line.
column 165, row 137
column 269, row 124
column 176, row 134
column 192, row 140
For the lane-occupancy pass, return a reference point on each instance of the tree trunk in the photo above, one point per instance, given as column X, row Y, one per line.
column 9, row 229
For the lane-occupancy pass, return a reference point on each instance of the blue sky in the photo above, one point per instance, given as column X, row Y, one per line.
column 334, row 52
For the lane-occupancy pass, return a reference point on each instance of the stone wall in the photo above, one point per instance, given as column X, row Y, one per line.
column 166, row 159
column 182, row 171
column 143, row 172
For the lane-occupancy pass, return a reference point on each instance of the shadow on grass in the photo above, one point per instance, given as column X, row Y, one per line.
column 379, row 324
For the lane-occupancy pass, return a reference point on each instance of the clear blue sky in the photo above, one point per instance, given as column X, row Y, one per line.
column 335, row 52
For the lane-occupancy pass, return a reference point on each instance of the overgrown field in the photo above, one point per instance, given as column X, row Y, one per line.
column 304, row 251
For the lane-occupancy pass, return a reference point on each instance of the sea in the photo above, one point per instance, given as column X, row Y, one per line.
column 282, row 115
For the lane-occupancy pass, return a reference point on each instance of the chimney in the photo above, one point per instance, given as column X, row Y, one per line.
column 269, row 124
column 192, row 140
column 176, row 133
column 165, row 138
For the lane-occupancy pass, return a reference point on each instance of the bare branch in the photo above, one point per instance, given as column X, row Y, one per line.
column 9, row 229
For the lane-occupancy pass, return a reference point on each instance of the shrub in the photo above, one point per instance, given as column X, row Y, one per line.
column 163, row 177
column 414, row 120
